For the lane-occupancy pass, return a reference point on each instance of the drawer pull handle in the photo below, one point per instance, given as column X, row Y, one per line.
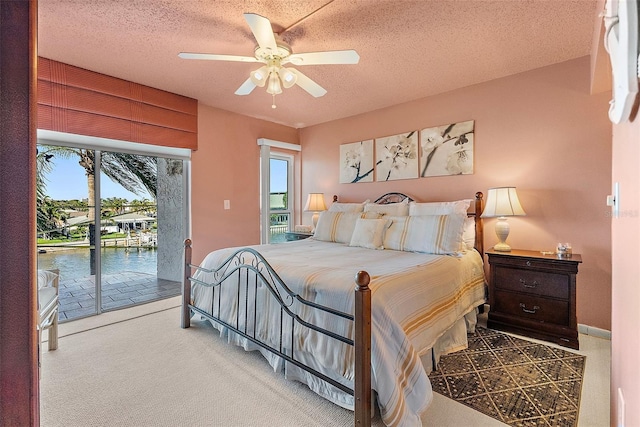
column 526, row 310
column 524, row 283
column 528, row 263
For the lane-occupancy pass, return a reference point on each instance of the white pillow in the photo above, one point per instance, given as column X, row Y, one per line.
column 434, row 234
column 439, row 208
column 368, row 233
column 347, row 207
column 391, row 209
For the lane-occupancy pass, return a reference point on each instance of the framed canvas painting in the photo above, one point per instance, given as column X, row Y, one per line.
column 397, row 157
column 356, row 162
column 447, row 149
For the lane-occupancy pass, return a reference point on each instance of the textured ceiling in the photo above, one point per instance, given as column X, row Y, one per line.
column 408, row 49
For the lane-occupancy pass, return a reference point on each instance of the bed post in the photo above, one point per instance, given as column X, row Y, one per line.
column 479, row 244
column 185, row 321
column 362, row 343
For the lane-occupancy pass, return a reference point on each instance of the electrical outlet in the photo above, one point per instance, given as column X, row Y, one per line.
column 620, row 422
column 227, row 204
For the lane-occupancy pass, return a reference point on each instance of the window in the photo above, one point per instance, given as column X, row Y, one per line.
column 277, row 192
column 280, row 196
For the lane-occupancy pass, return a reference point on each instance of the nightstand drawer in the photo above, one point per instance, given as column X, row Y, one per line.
column 532, row 308
column 532, row 282
column 547, row 263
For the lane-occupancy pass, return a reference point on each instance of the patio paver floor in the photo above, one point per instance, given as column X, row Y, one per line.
column 77, row 296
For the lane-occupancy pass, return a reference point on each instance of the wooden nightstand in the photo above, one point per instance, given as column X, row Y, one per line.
column 292, row 235
column 534, row 295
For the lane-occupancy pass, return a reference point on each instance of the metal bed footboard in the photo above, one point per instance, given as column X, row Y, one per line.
column 248, row 260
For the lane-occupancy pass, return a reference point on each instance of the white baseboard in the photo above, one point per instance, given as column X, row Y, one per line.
column 594, row 332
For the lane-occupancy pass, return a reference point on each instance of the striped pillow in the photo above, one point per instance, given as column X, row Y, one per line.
column 338, row 226
column 434, row 234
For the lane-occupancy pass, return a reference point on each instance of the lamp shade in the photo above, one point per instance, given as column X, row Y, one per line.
column 273, row 86
column 259, row 76
column 288, row 78
column 315, row 202
column 502, row 201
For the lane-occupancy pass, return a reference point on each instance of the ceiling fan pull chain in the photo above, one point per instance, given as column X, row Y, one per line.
column 273, row 104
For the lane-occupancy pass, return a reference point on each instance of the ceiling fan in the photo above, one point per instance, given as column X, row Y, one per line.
column 275, row 53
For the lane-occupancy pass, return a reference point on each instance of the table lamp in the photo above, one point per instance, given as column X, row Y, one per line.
column 315, row 204
column 502, row 202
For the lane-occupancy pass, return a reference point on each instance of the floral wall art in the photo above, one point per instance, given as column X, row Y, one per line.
column 397, row 157
column 447, row 150
column 356, row 162
column 436, row 151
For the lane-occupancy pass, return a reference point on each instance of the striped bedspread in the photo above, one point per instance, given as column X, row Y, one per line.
column 415, row 299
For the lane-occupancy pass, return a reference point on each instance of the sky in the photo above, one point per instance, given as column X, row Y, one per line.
column 278, row 169
column 67, row 181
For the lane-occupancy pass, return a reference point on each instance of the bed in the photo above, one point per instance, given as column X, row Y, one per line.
column 415, row 297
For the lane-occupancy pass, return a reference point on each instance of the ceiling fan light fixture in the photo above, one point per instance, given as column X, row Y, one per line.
column 259, row 76
column 274, row 87
column 288, row 78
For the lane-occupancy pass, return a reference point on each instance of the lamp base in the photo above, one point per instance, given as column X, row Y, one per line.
column 502, row 231
column 314, row 219
column 502, row 247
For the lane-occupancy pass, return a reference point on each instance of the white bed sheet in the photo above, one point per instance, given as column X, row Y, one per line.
column 416, row 298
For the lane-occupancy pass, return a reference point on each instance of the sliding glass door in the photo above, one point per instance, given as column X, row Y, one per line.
column 119, row 242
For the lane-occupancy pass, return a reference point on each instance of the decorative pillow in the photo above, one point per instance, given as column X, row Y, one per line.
column 368, row 233
column 46, row 278
column 336, row 226
column 439, row 208
column 434, row 234
column 347, row 207
column 391, row 209
column 469, row 233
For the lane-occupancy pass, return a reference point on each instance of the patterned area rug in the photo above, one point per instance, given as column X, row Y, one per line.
column 518, row 382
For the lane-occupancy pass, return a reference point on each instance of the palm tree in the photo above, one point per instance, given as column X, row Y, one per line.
column 43, row 166
column 113, row 206
column 50, row 215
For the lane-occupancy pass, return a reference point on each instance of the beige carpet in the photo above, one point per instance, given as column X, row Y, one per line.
column 149, row 372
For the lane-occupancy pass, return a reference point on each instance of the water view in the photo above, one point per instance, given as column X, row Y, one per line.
column 75, row 263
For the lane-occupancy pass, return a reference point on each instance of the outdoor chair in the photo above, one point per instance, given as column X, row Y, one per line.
column 48, row 290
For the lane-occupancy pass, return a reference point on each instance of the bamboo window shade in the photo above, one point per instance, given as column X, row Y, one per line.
column 79, row 101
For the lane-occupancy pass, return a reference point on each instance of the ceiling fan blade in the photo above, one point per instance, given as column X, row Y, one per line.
column 329, row 57
column 262, row 31
column 215, row 57
column 307, row 84
column 246, row 88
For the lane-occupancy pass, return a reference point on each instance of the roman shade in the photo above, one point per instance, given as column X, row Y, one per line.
column 79, row 101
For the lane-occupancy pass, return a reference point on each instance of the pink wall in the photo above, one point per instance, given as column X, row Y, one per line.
column 226, row 167
column 625, row 344
column 540, row 131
